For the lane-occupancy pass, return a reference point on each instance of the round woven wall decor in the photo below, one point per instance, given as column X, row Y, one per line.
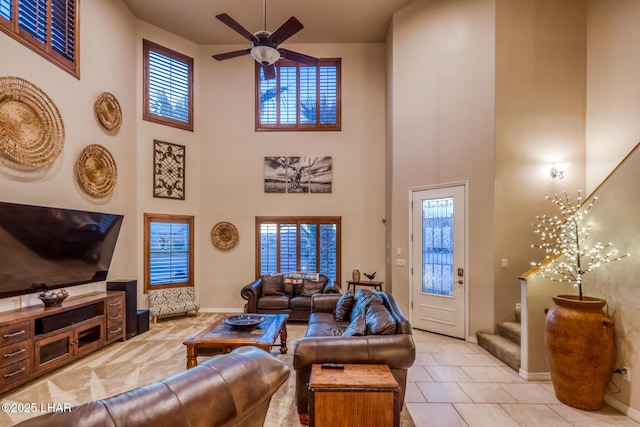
column 96, row 170
column 107, row 109
column 31, row 128
column 224, row 235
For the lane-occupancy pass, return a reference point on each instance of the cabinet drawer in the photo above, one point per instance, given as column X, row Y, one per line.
column 115, row 303
column 114, row 331
column 114, row 317
column 15, row 372
column 15, row 352
column 15, row 333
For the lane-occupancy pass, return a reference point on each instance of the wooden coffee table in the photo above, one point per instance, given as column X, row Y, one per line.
column 222, row 338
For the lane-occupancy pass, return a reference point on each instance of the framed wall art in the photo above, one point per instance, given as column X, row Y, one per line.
column 298, row 174
column 168, row 170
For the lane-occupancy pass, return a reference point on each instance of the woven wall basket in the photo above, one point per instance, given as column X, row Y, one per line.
column 224, row 235
column 107, row 109
column 96, row 170
column 31, row 128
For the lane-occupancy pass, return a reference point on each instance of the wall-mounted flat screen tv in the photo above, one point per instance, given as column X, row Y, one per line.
column 45, row 248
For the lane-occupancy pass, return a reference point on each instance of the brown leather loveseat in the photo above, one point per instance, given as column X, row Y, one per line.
column 373, row 330
column 270, row 294
column 232, row 389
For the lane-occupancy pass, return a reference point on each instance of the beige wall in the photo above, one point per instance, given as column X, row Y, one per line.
column 146, row 133
column 108, row 59
column 232, row 166
column 442, row 116
column 225, row 156
column 540, row 119
column 613, row 90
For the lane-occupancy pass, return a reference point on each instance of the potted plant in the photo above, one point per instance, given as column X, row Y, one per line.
column 579, row 334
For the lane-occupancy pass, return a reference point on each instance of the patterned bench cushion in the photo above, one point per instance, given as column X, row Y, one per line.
column 172, row 301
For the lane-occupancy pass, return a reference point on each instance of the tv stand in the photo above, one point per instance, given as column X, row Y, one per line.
column 35, row 340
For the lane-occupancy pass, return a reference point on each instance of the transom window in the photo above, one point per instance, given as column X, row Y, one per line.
column 286, row 244
column 168, row 86
column 301, row 97
column 168, row 251
column 49, row 27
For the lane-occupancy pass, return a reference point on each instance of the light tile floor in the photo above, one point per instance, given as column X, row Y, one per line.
column 455, row 383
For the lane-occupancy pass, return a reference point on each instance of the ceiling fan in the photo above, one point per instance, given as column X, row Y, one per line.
column 265, row 48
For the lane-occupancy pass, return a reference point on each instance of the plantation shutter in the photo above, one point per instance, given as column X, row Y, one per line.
column 49, row 26
column 169, row 253
column 63, row 31
column 168, row 87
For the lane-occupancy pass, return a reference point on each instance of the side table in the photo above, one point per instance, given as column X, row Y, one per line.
column 374, row 285
column 358, row 395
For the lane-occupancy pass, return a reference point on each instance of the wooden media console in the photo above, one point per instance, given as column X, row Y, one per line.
column 36, row 339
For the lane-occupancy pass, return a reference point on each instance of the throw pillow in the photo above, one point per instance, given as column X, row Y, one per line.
column 289, row 289
column 272, row 285
column 357, row 327
column 379, row 320
column 344, row 306
column 309, row 287
column 362, row 299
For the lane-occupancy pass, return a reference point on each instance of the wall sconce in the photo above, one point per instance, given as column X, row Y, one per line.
column 558, row 170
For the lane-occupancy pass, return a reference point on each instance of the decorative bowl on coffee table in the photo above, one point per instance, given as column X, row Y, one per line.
column 244, row 321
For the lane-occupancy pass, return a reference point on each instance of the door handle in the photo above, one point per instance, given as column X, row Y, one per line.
column 460, row 282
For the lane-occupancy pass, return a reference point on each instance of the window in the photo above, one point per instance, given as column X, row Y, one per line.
column 168, row 251
column 168, row 86
column 287, row 244
column 301, row 97
column 48, row 27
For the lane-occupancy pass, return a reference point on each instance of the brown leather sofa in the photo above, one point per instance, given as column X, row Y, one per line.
column 324, row 342
column 232, row 389
column 265, row 296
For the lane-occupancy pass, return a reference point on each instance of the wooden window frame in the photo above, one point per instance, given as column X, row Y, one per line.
column 167, row 218
column 45, row 49
column 259, row 127
column 148, row 46
column 337, row 220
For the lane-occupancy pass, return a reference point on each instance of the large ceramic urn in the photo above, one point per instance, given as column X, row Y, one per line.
column 581, row 350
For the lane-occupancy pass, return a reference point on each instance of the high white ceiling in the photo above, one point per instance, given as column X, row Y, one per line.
column 325, row 21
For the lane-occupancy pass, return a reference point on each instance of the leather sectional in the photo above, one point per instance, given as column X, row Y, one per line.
column 374, row 330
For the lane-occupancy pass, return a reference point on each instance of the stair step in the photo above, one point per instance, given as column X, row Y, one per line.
column 510, row 330
column 501, row 347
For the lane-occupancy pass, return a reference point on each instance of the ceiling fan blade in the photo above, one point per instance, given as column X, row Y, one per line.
column 286, row 30
column 234, row 25
column 234, row 54
column 269, row 71
column 298, row 57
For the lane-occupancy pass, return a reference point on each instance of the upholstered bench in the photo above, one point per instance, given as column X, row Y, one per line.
column 167, row 301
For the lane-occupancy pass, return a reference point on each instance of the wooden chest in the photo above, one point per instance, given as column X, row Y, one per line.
column 359, row 395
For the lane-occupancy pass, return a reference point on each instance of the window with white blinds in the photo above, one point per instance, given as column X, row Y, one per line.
column 168, row 251
column 301, row 97
column 48, row 27
column 168, row 86
column 286, row 244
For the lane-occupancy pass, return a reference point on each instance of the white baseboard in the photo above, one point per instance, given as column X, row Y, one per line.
column 616, row 404
column 472, row 339
column 534, row 376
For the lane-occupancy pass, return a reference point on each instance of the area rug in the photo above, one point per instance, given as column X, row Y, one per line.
column 142, row 360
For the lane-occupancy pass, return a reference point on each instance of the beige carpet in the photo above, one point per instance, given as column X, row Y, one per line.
column 144, row 359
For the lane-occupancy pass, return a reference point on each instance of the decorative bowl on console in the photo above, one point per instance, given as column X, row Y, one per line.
column 53, row 298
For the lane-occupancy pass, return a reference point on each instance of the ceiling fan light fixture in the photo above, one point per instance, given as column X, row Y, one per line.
column 265, row 55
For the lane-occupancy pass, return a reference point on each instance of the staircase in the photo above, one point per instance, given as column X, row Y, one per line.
column 506, row 344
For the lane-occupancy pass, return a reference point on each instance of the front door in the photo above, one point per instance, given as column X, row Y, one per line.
column 438, row 228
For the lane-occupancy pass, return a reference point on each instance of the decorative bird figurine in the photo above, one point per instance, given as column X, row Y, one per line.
column 371, row 276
